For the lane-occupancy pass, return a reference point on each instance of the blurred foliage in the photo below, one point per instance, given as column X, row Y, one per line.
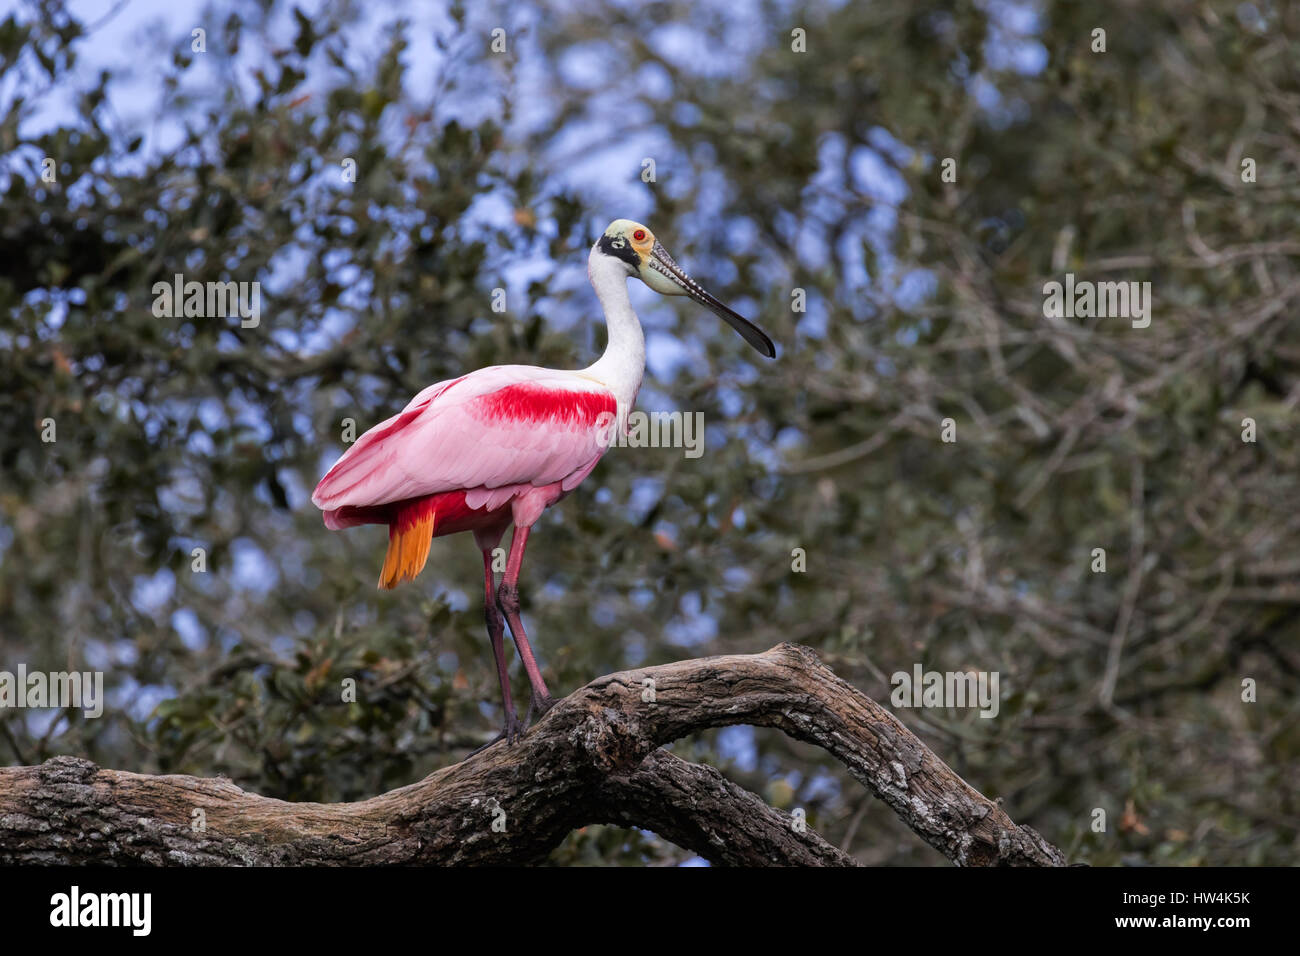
column 776, row 171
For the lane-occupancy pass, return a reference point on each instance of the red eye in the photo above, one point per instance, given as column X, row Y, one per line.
column 639, row 235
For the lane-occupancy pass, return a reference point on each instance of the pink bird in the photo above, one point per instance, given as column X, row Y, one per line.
column 499, row 446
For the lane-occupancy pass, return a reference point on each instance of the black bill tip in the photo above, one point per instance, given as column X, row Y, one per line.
column 751, row 333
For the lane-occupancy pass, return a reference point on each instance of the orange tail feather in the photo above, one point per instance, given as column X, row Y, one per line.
column 408, row 550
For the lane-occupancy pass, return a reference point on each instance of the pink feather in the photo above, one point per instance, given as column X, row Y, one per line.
column 495, row 435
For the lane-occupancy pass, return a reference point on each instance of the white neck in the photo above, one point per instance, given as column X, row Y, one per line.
column 623, row 364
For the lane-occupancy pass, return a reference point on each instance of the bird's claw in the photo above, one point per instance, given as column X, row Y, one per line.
column 511, row 733
column 514, row 729
column 540, row 705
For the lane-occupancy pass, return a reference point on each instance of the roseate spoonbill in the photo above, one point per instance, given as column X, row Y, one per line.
column 500, row 445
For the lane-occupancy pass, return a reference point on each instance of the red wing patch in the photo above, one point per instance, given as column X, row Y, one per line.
column 532, row 404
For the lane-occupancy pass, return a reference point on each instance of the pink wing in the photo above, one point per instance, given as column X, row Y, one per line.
column 485, row 433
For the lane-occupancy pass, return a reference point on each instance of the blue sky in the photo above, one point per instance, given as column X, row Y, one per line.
column 595, row 156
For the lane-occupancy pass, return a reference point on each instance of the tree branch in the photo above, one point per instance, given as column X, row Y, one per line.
column 594, row 758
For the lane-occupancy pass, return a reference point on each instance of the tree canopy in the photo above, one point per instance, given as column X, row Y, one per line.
column 924, row 475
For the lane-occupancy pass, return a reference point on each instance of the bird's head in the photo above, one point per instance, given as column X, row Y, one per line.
column 645, row 257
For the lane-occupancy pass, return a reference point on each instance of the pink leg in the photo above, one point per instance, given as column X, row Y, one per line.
column 508, row 599
column 496, row 634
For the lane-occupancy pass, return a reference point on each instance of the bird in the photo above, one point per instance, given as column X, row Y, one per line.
column 500, row 445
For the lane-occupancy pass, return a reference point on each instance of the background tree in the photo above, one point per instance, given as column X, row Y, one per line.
column 1171, row 157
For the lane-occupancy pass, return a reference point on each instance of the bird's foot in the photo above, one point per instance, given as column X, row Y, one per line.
column 539, row 706
column 511, row 733
column 514, row 729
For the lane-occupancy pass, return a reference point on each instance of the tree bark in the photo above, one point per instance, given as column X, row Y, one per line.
column 594, row 758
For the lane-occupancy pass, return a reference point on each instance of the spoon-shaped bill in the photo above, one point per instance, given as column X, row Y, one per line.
column 663, row 263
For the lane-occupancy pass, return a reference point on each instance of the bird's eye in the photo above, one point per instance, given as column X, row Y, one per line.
column 639, row 235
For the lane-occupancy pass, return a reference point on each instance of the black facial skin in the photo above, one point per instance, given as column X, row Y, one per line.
column 626, row 253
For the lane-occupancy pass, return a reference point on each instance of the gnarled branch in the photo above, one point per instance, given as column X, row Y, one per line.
column 594, row 758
